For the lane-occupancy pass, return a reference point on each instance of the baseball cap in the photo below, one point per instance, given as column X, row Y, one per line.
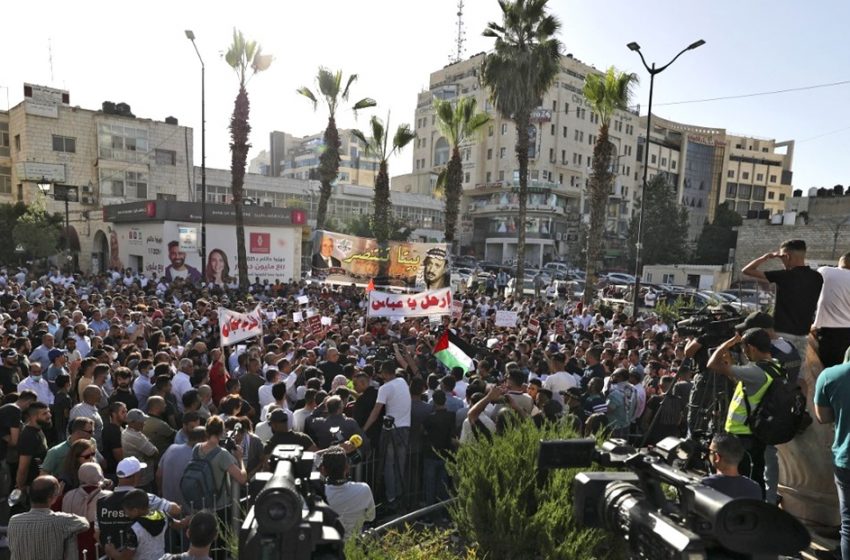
column 574, row 392
column 278, row 416
column 136, row 415
column 129, row 466
column 755, row 320
column 757, row 338
column 53, row 354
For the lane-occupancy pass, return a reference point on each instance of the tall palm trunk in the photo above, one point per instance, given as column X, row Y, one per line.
column 328, row 169
column 382, row 219
column 600, row 187
column 523, row 118
column 239, row 130
column 454, row 181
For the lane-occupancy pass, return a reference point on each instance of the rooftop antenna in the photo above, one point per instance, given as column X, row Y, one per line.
column 50, row 57
column 457, row 56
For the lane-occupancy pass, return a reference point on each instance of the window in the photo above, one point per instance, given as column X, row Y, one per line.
column 773, row 178
column 488, row 177
column 567, row 108
column 4, row 139
column 502, row 175
column 744, row 191
column 731, row 173
column 166, row 157
column 64, row 144
column 565, row 132
column 781, row 197
column 668, row 278
column 764, row 150
column 652, row 158
column 125, row 143
column 745, row 175
column 732, row 189
column 758, row 193
column 554, row 106
column 490, row 131
column 664, row 162
column 504, row 128
column 759, row 177
column 423, row 142
column 441, row 151
column 563, row 156
column 17, row 142
column 5, row 180
column 672, row 163
column 502, row 152
column 489, row 153
column 466, row 177
column 137, row 185
column 552, row 129
column 771, row 195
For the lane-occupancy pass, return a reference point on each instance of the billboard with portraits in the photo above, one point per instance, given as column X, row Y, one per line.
column 347, row 259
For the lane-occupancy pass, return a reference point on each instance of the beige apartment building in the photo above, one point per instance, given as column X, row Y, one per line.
column 110, row 155
column 298, row 158
column 563, row 132
column 710, row 166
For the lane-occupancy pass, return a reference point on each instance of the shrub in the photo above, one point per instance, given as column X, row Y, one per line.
column 407, row 544
column 508, row 511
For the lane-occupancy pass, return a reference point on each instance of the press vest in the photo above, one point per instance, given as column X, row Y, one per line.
column 736, row 417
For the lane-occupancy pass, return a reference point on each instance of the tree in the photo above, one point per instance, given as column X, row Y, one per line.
column 605, row 93
column 718, row 236
column 519, row 71
column 9, row 216
column 37, row 231
column 378, row 145
column 364, row 226
column 246, row 58
column 459, row 123
column 665, row 225
column 330, row 88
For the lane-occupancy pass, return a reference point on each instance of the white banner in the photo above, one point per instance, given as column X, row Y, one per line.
column 235, row 327
column 506, row 318
column 423, row 304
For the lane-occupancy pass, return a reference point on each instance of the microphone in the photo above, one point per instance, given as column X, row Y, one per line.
column 356, row 441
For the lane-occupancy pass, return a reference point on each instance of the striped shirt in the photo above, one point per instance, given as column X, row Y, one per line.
column 45, row 535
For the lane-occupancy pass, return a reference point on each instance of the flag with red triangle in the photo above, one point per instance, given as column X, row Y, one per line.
column 370, row 286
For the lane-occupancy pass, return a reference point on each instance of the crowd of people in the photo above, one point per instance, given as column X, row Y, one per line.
column 115, row 393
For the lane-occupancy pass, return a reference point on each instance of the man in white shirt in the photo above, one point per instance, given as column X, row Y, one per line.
column 182, row 382
column 394, row 398
column 560, row 380
column 83, row 341
column 832, row 319
column 264, row 393
column 352, row 501
column 37, row 384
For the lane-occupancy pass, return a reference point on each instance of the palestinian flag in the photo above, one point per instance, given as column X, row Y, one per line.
column 450, row 351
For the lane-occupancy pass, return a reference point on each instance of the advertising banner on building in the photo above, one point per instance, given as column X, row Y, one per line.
column 235, row 327
column 424, row 304
column 347, row 259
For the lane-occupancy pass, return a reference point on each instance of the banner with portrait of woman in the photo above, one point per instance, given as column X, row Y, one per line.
column 347, row 259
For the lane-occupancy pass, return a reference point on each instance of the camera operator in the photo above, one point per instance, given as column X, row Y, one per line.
column 394, row 395
column 725, row 454
column 752, row 382
column 352, row 501
column 222, row 462
column 334, row 428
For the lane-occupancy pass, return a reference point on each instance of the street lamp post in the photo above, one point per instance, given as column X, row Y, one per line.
column 66, row 193
column 639, row 245
column 191, row 36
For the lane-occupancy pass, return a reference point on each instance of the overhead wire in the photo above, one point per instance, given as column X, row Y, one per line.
column 756, row 94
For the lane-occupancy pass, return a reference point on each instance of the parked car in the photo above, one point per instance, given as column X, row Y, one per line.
column 620, row 278
column 527, row 287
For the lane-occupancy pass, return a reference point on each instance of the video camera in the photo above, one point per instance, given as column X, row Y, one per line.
column 229, row 441
column 288, row 518
column 699, row 522
column 717, row 324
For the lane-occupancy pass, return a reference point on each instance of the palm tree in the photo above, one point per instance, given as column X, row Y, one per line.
column 330, row 87
column 378, row 146
column 518, row 72
column 458, row 123
column 246, row 58
column 605, row 93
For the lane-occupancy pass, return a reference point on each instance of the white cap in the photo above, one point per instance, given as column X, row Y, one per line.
column 128, row 467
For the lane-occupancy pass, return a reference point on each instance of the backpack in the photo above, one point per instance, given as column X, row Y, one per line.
column 197, row 484
column 781, row 414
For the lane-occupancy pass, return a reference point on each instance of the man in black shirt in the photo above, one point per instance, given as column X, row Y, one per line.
column 124, row 391
column 283, row 435
column 797, row 290
column 112, row 450
column 10, row 373
column 32, row 445
column 10, row 431
column 334, row 428
column 594, row 368
column 330, row 367
column 363, row 406
column 439, row 441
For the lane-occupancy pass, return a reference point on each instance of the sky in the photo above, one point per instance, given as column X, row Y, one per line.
column 140, row 55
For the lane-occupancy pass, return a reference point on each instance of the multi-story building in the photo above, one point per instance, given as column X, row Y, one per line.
column 110, row 155
column 563, row 133
column 709, row 166
column 298, row 158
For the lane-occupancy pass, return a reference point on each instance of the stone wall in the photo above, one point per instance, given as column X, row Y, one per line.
column 757, row 237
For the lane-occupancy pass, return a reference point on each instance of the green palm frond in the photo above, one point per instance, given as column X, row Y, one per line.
column 243, row 55
column 351, row 79
column 403, row 136
column 609, row 91
column 305, row 91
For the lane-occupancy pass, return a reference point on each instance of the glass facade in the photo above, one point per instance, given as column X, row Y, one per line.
column 701, row 172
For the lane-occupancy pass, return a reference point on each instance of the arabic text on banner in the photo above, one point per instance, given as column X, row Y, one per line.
column 423, row 304
column 235, row 327
column 506, row 318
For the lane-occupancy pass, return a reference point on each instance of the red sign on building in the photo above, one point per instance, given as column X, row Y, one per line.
column 260, row 243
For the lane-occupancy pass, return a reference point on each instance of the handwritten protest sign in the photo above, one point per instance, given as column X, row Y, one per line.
column 235, row 327
column 506, row 318
column 423, row 304
column 457, row 309
column 315, row 324
column 533, row 326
